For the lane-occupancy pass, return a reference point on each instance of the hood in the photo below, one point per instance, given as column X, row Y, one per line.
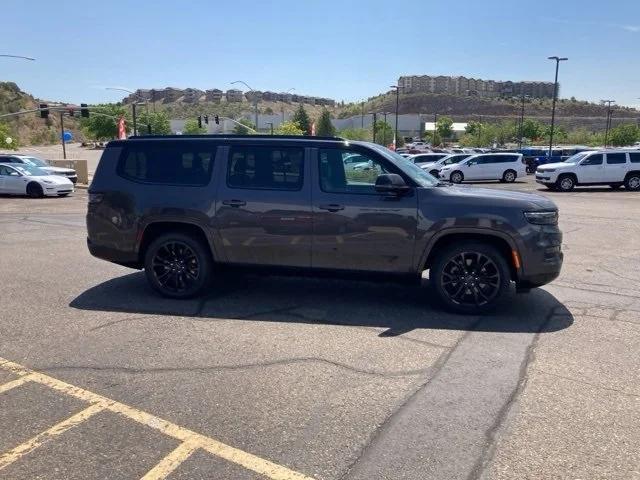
column 58, row 170
column 426, row 165
column 488, row 196
column 554, row 165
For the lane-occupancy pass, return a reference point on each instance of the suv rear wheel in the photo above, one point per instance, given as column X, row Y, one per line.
column 632, row 182
column 509, row 176
column 178, row 265
column 470, row 277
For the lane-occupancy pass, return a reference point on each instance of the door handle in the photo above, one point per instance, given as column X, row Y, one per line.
column 333, row 207
column 234, row 203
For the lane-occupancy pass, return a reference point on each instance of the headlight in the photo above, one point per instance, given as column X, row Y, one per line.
column 542, row 218
column 47, row 181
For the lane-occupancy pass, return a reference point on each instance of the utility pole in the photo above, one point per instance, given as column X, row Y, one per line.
column 397, row 89
column 135, row 122
column 521, row 127
column 555, row 99
column 64, row 148
column 271, row 125
column 375, row 124
column 362, row 115
column 608, row 125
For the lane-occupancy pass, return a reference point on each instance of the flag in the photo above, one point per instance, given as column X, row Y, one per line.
column 313, row 129
column 122, row 129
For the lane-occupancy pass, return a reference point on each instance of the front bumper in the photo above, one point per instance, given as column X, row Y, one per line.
column 546, row 178
column 55, row 190
column 542, row 257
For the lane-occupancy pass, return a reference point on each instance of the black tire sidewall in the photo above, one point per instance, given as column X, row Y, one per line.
column 627, row 181
column 445, row 255
column 504, row 176
column 456, row 173
column 36, row 188
column 559, row 185
column 202, row 253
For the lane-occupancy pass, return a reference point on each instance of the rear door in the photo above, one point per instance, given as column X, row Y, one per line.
column 615, row 167
column 264, row 205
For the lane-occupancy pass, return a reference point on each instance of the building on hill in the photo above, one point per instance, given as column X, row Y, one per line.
column 459, row 85
column 234, row 95
column 214, row 95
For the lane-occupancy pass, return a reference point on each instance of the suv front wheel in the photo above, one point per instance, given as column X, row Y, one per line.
column 178, row 265
column 470, row 277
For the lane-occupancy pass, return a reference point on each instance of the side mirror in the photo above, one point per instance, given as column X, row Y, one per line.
column 391, row 183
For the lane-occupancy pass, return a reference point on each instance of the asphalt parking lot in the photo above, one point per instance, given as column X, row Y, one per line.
column 293, row 378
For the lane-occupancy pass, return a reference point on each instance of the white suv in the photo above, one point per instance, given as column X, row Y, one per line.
column 505, row 167
column 598, row 167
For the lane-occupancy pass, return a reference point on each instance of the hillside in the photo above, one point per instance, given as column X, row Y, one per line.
column 30, row 129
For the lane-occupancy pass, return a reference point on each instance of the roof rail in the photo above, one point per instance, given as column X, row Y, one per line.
column 233, row 135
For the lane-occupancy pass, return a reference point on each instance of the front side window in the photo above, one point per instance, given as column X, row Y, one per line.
column 168, row 163
column 336, row 177
column 616, row 158
column 263, row 167
column 595, row 159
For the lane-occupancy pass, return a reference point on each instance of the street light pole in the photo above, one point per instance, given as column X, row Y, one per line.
column 521, row 127
column 555, row 98
column 397, row 89
column 6, row 55
column 608, row 125
column 255, row 98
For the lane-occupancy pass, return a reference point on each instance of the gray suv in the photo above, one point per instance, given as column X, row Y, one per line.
column 188, row 208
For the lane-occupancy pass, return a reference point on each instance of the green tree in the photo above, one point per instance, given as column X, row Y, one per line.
column 444, row 127
column 356, row 134
column 159, row 121
column 8, row 141
column 532, row 129
column 242, row 129
column 623, row 135
column 473, row 128
column 191, row 128
column 384, row 133
column 302, row 119
column 325, row 128
column 102, row 123
column 289, row 128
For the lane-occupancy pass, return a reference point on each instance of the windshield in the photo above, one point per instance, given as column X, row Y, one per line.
column 30, row 170
column 576, row 158
column 454, row 159
column 418, row 175
column 33, row 161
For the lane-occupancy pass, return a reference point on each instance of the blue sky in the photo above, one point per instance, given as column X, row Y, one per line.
column 346, row 49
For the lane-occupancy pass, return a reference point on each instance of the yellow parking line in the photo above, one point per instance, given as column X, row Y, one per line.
column 15, row 383
column 172, row 461
column 190, row 438
column 26, row 447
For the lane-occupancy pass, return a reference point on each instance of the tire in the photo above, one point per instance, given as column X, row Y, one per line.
column 34, row 190
column 456, row 177
column 435, row 173
column 509, row 176
column 178, row 265
column 632, row 182
column 566, row 183
column 458, row 284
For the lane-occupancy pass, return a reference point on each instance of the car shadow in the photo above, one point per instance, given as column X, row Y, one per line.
column 398, row 308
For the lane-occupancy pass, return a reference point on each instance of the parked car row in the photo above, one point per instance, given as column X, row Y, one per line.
column 32, row 176
column 70, row 173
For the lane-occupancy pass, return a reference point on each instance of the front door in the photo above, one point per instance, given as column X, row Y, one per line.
column 354, row 227
column 591, row 169
column 11, row 181
column 264, row 206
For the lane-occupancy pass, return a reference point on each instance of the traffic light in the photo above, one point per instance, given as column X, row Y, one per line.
column 206, row 119
column 216, row 119
column 44, row 110
column 84, row 110
column 199, row 121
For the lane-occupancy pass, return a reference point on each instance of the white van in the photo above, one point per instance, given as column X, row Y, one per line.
column 598, row 167
column 505, row 167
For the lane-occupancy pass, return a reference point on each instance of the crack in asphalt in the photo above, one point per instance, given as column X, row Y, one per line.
column 246, row 366
column 436, row 368
column 492, row 434
column 582, row 382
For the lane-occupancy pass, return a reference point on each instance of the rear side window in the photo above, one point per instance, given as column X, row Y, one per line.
column 263, row 167
column 634, row 157
column 614, row 158
column 506, row 158
column 168, row 163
